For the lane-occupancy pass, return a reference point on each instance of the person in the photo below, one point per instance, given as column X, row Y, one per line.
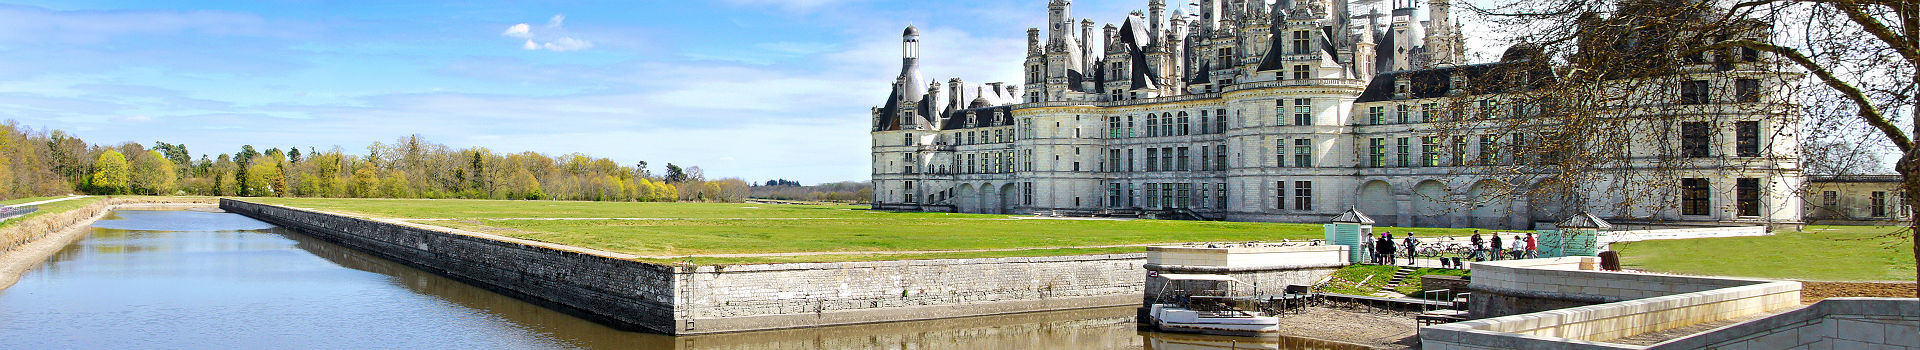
column 1366, row 248
column 1533, row 246
column 1412, row 247
column 1479, row 247
column 1387, row 249
column 1519, row 250
column 1496, row 247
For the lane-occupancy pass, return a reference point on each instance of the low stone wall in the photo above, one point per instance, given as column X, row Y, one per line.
column 1683, row 233
column 1834, row 323
column 1628, row 304
column 594, row 285
column 1268, row 269
column 611, row 288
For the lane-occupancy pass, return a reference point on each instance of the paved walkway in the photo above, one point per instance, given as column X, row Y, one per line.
column 72, row 197
column 891, row 252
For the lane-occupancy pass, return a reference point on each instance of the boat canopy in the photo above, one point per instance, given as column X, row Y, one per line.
column 1196, row 277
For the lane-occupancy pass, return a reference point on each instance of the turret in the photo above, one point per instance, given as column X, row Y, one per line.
column 1156, row 8
column 1033, row 41
column 909, row 68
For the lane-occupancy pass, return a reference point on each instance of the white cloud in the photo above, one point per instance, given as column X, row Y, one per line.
column 551, row 38
column 137, row 118
column 518, row 31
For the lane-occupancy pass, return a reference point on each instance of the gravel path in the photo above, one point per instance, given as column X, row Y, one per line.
column 1362, row 326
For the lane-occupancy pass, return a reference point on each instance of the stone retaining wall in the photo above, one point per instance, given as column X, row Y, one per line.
column 610, row 288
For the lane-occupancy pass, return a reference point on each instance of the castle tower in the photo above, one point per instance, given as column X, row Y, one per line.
column 1156, row 9
column 1444, row 47
column 909, row 85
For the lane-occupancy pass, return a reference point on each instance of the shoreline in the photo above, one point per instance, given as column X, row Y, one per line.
column 15, row 263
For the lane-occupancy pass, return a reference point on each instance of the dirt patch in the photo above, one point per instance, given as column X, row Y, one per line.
column 1811, row 292
column 1360, row 325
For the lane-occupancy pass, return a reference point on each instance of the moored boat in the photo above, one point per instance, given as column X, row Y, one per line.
column 1199, row 303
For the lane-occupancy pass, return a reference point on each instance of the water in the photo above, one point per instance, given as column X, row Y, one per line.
column 192, row 279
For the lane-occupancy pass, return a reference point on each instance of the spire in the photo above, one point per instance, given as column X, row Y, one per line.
column 910, row 65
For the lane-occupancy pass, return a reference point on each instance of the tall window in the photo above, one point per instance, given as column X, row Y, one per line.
column 1280, row 195
column 1153, row 126
column 1377, row 152
column 1404, row 153
column 1113, row 160
column 1427, row 110
column 1695, row 197
column 1279, row 111
column 1301, row 71
column 1489, row 109
column 1204, row 159
column 1519, row 152
column 1302, row 111
column 1220, row 195
column 1219, row 122
column 1129, row 159
column 1878, row 204
column 1026, row 193
column 1301, row 42
column 1303, row 153
column 1153, row 157
column 1747, row 90
column 1166, row 159
column 1403, row 113
column 907, row 159
column 1303, row 195
column 1747, row 193
column 1430, row 151
column 1182, row 195
column 1696, row 139
column 1113, row 127
column 1183, row 124
column 1182, row 164
column 1225, row 56
column 1280, row 152
column 1459, row 151
column 907, row 139
column 1113, row 195
column 1748, row 135
column 1693, row 92
column 1377, row 115
column 1489, row 153
column 1220, row 157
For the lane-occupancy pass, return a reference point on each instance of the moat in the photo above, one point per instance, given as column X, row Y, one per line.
column 204, row 279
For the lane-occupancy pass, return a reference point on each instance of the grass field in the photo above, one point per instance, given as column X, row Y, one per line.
column 1822, row 253
column 691, row 229
column 1368, row 279
column 25, row 200
column 51, row 208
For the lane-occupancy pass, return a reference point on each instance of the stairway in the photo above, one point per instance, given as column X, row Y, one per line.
column 1399, row 276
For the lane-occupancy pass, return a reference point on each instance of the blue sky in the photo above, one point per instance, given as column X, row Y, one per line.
column 757, row 89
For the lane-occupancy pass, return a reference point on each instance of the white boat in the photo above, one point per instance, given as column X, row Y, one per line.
column 1185, row 303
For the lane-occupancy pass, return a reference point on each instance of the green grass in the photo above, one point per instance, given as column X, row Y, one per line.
column 53, row 208
column 1822, row 253
column 736, row 228
column 1368, row 279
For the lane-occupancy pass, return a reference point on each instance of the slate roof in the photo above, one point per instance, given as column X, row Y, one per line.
column 1584, row 220
column 1485, row 78
column 1353, row 216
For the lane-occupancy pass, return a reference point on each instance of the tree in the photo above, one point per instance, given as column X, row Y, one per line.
column 153, row 174
column 293, row 154
column 110, row 173
column 674, row 174
column 1861, row 57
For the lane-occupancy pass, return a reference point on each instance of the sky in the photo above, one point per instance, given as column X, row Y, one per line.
column 756, row 89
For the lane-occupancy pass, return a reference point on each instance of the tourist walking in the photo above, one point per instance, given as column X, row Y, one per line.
column 1533, row 246
column 1412, row 247
column 1496, row 247
column 1519, row 250
column 1366, row 248
column 1387, row 249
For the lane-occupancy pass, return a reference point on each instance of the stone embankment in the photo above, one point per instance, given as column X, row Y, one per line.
column 28, row 243
column 612, row 288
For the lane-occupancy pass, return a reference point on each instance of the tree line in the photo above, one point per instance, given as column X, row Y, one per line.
column 52, row 162
column 783, row 189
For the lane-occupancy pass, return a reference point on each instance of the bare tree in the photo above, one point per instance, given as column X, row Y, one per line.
column 1630, row 74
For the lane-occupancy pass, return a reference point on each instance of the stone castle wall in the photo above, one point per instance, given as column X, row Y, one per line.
column 612, row 288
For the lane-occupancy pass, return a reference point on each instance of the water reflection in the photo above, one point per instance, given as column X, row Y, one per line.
column 173, row 279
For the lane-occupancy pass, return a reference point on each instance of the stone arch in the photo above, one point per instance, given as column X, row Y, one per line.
column 1376, row 200
column 967, row 199
column 1007, row 199
column 1492, row 201
column 1431, row 204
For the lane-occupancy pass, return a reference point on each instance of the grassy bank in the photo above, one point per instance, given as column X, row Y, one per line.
column 54, row 208
column 1821, row 253
column 1368, row 279
column 851, row 232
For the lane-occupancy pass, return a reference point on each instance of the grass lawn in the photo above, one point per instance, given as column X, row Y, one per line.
column 1822, row 253
column 1367, row 279
column 678, row 229
column 52, row 208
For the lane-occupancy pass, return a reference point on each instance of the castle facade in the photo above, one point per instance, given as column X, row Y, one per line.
column 1293, row 111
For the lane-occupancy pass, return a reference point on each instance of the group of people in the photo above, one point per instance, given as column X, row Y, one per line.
column 1519, row 248
column 1383, row 249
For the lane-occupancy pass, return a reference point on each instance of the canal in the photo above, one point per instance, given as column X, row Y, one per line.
column 208, row 279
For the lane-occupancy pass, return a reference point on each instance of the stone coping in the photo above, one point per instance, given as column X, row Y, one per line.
column 894, row 263
column 1902, row 308
column 1237, row 248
